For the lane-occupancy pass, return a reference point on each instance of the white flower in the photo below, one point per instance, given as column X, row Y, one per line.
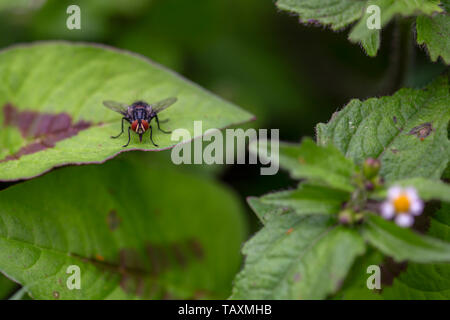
column 403, row 204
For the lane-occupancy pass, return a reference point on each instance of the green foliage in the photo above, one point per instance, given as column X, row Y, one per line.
column 308, row 199
column 296, row 257
column 313, row 235
column 433, row 32
column 341, row 13
column 6, row 287
column 404, row 244
column 426, row 281
column 383, row 128
column 326, row 165
column 337, row 14
column 74, row 79
column 131, row 229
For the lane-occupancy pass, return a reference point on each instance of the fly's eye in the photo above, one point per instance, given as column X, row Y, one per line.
column 134, row 125
column 145, row 124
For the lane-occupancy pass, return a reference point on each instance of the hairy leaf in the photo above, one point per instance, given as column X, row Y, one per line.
column 265, row 211
column 341, row 13
column 434, row 33
column 134, row 230
column 53, row 93
column 315, row 163
column 406, row 131
column 388, row 10
column 297, row 257
column 308, row 199
column 404, row 244
column 336, row 13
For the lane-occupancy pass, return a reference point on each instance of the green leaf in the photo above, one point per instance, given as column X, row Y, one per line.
column 371, row 44
column 388, row 10
column 426, row 281
column 265, row 211
column 318, row 164
column 6, row 287
column 297, row 257
column 308, row 199
column 341, row 13
column 336, row 13
column 427, row 189
column 134, row 230
column 433, row 32
column 382, row 128
column 404, row 244
column 53, row 93
column 355, row 285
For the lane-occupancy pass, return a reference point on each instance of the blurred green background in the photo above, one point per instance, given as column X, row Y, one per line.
column 290, row 75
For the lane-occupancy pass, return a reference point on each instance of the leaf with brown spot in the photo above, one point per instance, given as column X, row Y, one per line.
column 423, row 113
column 147, row 256
column 52, row 92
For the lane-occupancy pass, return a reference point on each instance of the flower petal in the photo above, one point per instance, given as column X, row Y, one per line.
column 404, row 220
column 394, row 192
column 387, row 210
column 412, row 194
column 416, row 207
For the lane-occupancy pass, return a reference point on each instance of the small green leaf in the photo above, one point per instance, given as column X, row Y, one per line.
column 53, row 93
column 404, row 244
column 133, row 229
column 433, row 32
column 318, row 164
column 309, row 199
column 297, row 257
column 427, row 189
column 371, row 44
column 341, row 13
column 336, row 13
column 388, row 10
column 388, row 128
column 426, row 281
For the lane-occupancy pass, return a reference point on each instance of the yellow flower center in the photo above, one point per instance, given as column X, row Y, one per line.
column 401, row 204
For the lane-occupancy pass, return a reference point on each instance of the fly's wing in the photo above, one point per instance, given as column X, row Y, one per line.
column 163, row 104
column 121, row 108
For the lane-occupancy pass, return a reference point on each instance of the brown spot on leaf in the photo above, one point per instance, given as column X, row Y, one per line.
column 55, row 294
column 99, row 257
column 196, row 248
column 390, row 269
column 301, row 160
column 42, row 130
column 289, row 230
column 179, row 255
column 394, row 150
column 421, row 131
column 113, row 220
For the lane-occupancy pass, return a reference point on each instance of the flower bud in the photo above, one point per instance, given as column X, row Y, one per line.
column 346, row 216
column 371, row 167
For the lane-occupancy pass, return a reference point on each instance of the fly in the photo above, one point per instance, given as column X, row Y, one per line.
column 139, row 115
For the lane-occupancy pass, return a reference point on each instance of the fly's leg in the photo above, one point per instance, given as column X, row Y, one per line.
column 157, row 122
column 114, row 137
column 151, row 138
column 128, row 138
